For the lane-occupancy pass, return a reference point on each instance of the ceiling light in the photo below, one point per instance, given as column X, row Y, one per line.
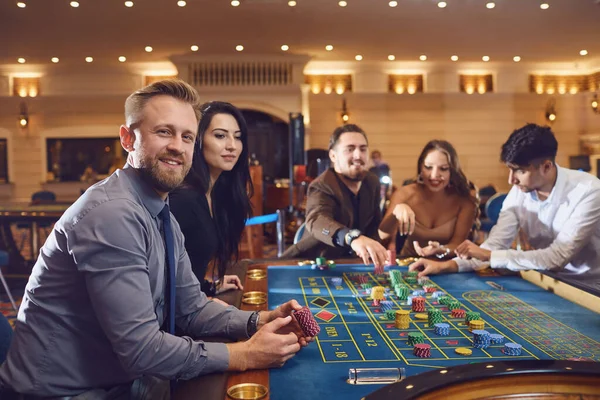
column 393, row 4
column 21, row 4
column 342, row 3
column 194, row 48
column 239, row 47
column 454, row 58
column 544, row 6
column 74, row 4
column 583, row 52
column 485, row 58
column 329, row 47
column 442, row 4
column 490, row 5
column 423, row 57
column 516, row 58
column 181, row 3
column 292, row 3
column 21, row 60
column 89, row 59
column 122, row 59
column 129, row 4
column 285, row 47
column 358, row 57
column 391, row 57
column 148, row 49
column 54, row 60
column 235, row 3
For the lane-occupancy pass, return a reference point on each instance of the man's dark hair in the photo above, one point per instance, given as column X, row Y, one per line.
column 335, row 136
column 531, row 143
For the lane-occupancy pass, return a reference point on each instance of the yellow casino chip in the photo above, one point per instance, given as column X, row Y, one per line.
column 421, row 316
column 463, row 351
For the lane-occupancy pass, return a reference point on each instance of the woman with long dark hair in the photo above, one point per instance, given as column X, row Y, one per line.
column 437, row 212
column 213, row 203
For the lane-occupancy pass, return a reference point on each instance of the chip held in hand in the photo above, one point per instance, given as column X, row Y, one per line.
column 307, row 322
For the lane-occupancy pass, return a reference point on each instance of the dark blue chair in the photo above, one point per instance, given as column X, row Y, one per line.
column 492, row 210
column 41, row 197
column 6, row 334
column 4, row 263
column 278, row 218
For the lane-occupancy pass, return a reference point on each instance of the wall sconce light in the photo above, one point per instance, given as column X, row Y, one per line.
column 23, row 116
column 595, row 104
column 344, row 114
column 551, row 111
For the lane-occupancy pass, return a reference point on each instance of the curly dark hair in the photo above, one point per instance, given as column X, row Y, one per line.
column 528, row 145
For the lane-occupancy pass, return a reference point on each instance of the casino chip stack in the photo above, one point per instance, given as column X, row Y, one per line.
column 470, row 316
column 437, row 294
column 481, row 339
column 422, row 280
column 458, row 313
column 336, row 281
column 402, row 291
column 321, row 262
column 429, row 288
column 444, row 300
column 441, row 329
column 512, row 349
column 418, row 292
column 395, row 277
column 411, row 277
column 434, row 316
column 453, row 305
column 415, row 338
column 418, row 304
column 390, row 315
column 386, row 305
column 367, row 286
column 402, row 319
column 422, row 350
column 307, row 322
column 362, row 279
column 496, row 339
column 476, row 324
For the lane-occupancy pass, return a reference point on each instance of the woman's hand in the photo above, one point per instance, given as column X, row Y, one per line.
column 229, row 282
column 406, row 219
column 432, row 249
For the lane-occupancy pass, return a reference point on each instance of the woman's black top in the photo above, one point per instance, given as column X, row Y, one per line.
column 190, row 208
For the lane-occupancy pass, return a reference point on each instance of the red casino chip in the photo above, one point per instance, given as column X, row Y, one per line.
column 458, row 313
column 307, row 322
column 422, row 350
column 418, row 304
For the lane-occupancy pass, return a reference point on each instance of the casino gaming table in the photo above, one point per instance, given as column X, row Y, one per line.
column 357, row 334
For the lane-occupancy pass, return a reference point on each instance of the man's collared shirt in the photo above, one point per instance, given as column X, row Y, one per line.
column 94, row 303
column 564, row 229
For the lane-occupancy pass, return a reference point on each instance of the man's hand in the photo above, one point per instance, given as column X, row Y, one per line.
column 468, row 249
column 406, row 219
column 266, row 349
column 367, row 248
column 230, row 282
column 283, row 311
column 430, row 267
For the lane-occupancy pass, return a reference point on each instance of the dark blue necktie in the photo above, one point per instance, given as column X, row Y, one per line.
column 165, row 215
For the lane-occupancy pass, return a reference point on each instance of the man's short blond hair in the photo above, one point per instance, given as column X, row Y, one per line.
column 175, row 88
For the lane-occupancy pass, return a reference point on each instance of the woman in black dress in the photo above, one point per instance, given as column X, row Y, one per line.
column 213, row 203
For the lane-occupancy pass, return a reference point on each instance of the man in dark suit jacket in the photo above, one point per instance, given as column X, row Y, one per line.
column 342, row 211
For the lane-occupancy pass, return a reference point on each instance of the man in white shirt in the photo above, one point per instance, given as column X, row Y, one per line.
column 557, row 209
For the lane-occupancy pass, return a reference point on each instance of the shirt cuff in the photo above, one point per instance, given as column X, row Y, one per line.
column 499, row 258
column 238, row 325
column 463, row 265
column 217, row 357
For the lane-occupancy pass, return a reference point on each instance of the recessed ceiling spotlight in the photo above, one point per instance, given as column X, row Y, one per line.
column 423, row 57
column 235, row 3
column 89, row 59
column 21, row 60
column 442, row 4
column 55, row 60
column 393, row 3
column 516, row 58
column 239, row 47
column 122, row 59
column 490, row 5
column 74, row 4
column 181, row 3
column 544, row 6
column 342, row 3
column 391, row 57
column 454, row 58
column 329, row 47
column 583, row 52
column 485, row 58
column 194, row 48
column 148, row 49
column 292, row 3
column 285, row 47
column 358, row 57
column 129, row 4
column 21, row 4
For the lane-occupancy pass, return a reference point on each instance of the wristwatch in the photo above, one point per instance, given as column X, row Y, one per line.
column 350, row 236
column 252, row 326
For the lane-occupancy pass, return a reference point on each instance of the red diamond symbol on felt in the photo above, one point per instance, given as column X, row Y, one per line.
column 452, row 342
column 403, row 334
column 325, row 315
column 377, row 310
column 390, row 326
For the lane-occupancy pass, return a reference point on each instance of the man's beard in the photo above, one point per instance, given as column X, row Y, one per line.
column 356, row 178
column 162, row 181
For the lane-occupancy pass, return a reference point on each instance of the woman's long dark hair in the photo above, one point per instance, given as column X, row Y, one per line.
column 232, row 190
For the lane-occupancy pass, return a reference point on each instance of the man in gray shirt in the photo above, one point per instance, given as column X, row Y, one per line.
column 90, row 321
